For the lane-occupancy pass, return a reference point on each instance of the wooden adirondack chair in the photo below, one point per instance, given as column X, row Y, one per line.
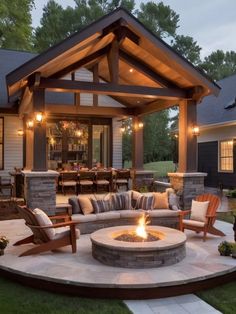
column 207, row 226
column 45, row 240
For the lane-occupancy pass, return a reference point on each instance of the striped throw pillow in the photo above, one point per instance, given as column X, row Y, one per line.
column 101, row 206
column 145, row 202
column 120, row 201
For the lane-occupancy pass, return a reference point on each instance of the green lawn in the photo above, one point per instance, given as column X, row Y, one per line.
column 223, row 298
column 17, row 299
column 161, row 168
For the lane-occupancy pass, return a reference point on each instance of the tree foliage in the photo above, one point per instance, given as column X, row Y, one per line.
column 15, row 24
column 157, row 145
column 159, row 18
column 188, row 48
column 220, row 64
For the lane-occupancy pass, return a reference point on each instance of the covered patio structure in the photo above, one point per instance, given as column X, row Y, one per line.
column 138, row 70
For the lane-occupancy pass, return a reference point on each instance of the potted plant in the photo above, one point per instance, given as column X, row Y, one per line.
column 225, row 248
column 233, row 249
column 3, row 244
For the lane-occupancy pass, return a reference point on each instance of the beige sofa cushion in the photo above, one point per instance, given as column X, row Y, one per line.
column 108, row 215
column 131, row 213
column 163, row 213
column 83, row 218
column 44, row 220
column 85, row 205
column 193, row 223
column 199, row 210
column 160, row 200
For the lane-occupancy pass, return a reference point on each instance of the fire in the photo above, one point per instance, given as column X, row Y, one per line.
column 141, row 229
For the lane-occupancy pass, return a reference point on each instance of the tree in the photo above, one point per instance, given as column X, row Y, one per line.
column 58, row 23
column 220, row 64
column 188, row 48
column 15, row 24
column 159, row 18
column 157, row 144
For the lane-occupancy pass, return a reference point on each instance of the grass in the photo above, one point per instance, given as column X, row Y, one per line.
column 223, row 298
column 17, row 299
column 161, row 168
column 226, row 216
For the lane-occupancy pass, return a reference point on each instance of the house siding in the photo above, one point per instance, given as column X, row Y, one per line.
column 117, row 144
column 208, row 156
column 13, row 144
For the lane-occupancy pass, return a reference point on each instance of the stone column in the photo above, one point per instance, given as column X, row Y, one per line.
column 188, row 185
column 40, row 190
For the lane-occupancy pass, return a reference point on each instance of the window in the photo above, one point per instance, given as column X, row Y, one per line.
column 226, row 156
column 1, row 142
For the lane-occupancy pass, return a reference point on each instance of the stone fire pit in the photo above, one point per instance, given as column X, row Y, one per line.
column 168, row 250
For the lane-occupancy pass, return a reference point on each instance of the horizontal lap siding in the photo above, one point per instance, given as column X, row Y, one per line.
column 13, row 144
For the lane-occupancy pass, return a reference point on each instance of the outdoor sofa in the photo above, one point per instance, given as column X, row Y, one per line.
column 96, row 211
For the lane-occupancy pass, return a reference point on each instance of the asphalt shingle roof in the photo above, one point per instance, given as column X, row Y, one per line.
column 212, row 109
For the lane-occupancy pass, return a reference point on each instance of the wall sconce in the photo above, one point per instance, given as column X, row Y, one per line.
column 140, row 125
column 30, row 124
column 195, row 130
column 78, row 133
column 39, row 117
column 122, row 129
column 20, row 132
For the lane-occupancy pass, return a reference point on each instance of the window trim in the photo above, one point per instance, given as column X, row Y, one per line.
column 220, row 158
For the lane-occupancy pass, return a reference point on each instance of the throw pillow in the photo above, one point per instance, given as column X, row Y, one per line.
column 85, row 205
column 44, row 220
column 135, row 196
column 73, row 201
column 174, row 201
column 120, row 201
column 199, row 210
column 160, row 200
column 101, row 206
column 145, row 202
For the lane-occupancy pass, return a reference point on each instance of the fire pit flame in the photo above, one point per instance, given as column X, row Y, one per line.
column 141, row 229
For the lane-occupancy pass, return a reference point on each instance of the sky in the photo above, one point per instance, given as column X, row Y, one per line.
column 211, row 23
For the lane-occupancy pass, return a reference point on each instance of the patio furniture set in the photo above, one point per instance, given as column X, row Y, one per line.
column 85, row 181
column 89, row 213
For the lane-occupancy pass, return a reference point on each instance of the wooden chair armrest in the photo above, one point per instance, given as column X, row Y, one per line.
column 184, row 212
column 57, row 225
column 65, row 217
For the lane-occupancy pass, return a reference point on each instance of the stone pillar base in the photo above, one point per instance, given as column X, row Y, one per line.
column 40, row 190
column 188, row 185
column 142, row 180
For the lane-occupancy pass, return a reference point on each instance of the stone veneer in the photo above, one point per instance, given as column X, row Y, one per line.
column 188, row 186
column 40, row 190
column 168, row 250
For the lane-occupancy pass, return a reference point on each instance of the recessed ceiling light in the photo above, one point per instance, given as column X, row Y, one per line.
column 131, row 70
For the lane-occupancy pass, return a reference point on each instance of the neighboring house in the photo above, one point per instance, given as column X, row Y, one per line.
column 216, row 143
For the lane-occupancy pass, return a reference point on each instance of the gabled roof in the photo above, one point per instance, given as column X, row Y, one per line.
column 9, row 60
column 154, row 63
column 221, row 109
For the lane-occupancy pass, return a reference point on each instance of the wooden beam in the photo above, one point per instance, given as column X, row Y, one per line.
column 26, row 102
column 89, row 110
column 120, row 29
column 81, row 63
column 187, row 141
column 154, row 106
column 137, row 145
column 113, row 62
column 76, row 95
column 146, row 70
column 111, row 89
column 95, row 80
column 39, row 138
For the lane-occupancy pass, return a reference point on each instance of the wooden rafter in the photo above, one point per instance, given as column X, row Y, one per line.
column 81, row 63
column 144, row 69
column 154, row 106
column 113, row 62
column 89, row 111
column 111, row 89
column 95, row 80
